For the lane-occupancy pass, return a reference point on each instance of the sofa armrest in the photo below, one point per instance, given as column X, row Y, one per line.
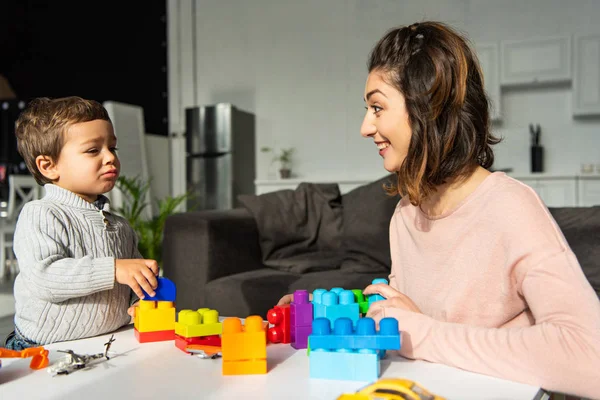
column 199, row 247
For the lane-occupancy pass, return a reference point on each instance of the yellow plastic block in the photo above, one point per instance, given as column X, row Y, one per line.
column 244, row 343
column 244, row 367
column 204, row 322
column 151, row 316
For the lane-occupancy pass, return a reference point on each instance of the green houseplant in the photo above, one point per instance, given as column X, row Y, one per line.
column 284, row 157
column 150, row 232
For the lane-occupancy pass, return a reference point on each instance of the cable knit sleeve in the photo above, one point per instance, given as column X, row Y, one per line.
column 41, row 245
column 561, row 352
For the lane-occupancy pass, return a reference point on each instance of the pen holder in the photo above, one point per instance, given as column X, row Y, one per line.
column 537, row 159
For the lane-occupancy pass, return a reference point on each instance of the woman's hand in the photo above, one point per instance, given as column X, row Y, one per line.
column 393, row 299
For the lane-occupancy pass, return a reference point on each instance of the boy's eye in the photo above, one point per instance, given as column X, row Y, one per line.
column 114, row 149
column 92, row 151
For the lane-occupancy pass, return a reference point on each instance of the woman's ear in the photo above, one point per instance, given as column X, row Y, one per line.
column 47, row 167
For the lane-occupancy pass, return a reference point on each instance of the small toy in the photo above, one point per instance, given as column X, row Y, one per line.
column 244, row 347
column 39, row 356
column 201, row 327
column 334, row 304
column 165, row 291
column 74, row 361
column 348, row 354
column 301, row 317
column 376, row 297
column 392, row 389
column 279, row 317
column 154, row 318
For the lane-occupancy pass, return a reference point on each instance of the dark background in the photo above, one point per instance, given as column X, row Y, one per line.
column 100, row 50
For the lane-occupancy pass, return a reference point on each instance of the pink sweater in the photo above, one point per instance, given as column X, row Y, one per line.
column 501, row 291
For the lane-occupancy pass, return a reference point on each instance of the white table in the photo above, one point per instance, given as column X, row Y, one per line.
column 160, row 370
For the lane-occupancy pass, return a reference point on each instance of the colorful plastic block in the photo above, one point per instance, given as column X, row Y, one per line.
column 279, row 316
column 165, row 291
column 363, row 303
column 301, row 310
column 182, row 343
column 300, row 336
column 153, row 316
column 349, row 354
column 376, row 297
column 244, row 347
column 204, row 322
column 344, row 366
column 156, row 336
column 301, row 317
column 364, row 336
column 336, row 304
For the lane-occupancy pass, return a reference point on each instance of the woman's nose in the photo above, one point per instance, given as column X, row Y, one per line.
column 367, row 128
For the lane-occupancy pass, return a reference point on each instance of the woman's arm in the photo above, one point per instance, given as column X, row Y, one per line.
column 561, row 352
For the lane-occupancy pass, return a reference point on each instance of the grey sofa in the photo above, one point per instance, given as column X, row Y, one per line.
column 215, row 257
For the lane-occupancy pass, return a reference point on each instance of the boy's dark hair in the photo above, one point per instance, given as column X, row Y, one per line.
column 441, row 80
column 41, row 127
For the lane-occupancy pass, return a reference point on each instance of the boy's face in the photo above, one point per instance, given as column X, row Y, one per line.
column 88, row 164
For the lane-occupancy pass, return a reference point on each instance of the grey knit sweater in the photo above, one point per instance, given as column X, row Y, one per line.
column 66, row 250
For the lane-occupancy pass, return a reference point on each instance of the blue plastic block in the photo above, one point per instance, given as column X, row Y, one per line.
column 365, row 336
column 377, row 297
column 343, row 366
column 335, row 304
column 165, row 291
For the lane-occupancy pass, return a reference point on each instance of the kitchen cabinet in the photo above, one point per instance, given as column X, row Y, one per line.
column 586, row 75
column 535, row 61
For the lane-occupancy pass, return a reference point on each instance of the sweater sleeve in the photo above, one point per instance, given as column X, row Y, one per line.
column 561, row 352
column 41, row 242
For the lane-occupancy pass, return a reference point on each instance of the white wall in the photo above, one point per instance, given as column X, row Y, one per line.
column 301, row 67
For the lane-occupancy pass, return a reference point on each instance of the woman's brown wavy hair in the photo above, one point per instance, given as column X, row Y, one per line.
column 439, row 76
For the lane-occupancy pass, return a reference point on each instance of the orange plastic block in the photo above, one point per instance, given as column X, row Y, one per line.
column 204, row 322
column 244, row 347
column 156, row 336
column 39, row 356
column 152, row 316
column 182, row 343
column 253, row 367
column 210, row 350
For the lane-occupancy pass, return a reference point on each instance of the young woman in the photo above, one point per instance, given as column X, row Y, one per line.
column 482, row 278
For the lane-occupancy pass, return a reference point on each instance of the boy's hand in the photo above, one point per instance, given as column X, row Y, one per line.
column 138, row 274
column 132, row 310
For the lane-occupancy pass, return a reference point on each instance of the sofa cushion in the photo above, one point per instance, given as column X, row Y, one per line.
column 581, row 227
column 300, row 230
column 367, row 212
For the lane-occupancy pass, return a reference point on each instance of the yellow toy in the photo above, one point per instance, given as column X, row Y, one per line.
column 392, row 389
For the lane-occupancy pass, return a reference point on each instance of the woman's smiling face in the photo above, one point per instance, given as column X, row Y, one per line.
column 386, row 120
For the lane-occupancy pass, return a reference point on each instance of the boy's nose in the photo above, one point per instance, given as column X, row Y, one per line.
column 367, row 129
column 110, row 157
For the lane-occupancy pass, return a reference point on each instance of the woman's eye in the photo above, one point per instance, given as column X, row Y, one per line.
column 376, row 109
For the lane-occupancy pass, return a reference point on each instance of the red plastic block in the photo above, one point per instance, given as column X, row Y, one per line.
column 182, row 342
column 156, row 336
column 279, row 316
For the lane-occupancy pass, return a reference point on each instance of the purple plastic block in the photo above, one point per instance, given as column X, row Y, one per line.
column 300, row 336
column 301, row 310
